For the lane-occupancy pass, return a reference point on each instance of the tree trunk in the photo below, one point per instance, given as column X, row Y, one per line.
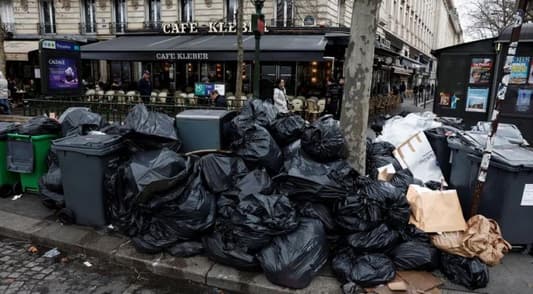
column 358, row 79
column 240, row 49
column 2, row 53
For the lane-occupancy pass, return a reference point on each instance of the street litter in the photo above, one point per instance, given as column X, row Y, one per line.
column 33, row 249
column 52, row 253
column 286, row 201
column 17, row 197
column 87, row 264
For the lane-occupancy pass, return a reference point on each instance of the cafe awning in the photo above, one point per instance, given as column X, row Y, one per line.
column 18, row 50
column 206, row 47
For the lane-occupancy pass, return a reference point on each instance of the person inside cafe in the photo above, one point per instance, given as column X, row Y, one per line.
column 217, row 99
column 145, row 87
column 280, row 96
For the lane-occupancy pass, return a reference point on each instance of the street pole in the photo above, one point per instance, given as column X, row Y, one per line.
column 258, row 26
column 518, row 19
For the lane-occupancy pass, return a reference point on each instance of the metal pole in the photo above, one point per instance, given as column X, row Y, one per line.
column 257, row 65
column 502, row 90
column 257, row 70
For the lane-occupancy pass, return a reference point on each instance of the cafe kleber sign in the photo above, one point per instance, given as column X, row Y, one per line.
column 177, row 28
column 181, row 56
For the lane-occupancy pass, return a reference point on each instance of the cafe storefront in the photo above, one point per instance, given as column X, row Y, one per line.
column 178, row 62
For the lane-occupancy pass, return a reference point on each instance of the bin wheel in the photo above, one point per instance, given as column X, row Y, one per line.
column 66, row 216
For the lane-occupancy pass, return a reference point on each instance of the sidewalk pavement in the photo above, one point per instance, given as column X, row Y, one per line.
column 27, row 219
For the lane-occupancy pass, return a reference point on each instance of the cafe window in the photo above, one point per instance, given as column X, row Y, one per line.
column 342, row 12
column 284, row 13
column 231, row 10
column 187, row 11
column 90, row 17
column 7, row 15
column 120, row 16
column 48, row 18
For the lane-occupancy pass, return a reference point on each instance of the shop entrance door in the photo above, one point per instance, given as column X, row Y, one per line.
column 272, row 72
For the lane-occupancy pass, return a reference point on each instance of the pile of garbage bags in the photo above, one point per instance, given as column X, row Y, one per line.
column 285, row 201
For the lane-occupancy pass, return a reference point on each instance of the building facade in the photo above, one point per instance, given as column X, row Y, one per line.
column 407, row 33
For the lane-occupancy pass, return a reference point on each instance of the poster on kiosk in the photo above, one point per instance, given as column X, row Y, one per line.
column 60, row 68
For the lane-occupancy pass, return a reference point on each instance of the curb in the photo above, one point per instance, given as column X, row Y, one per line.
column 197, row 270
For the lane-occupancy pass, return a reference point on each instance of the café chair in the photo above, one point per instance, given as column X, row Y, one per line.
column 321, row 105
column 297, row 105
column 110, row 95
column 231, row 101
column 312, row 112
column 163, row 97
column 89, row 94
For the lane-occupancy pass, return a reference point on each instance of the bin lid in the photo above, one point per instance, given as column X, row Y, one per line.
column 203, row 114
column 514, row 156
column 508, row 132
column 91, row 144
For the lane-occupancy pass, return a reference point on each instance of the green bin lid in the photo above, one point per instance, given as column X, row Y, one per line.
column 91, row 144
column 514, row 156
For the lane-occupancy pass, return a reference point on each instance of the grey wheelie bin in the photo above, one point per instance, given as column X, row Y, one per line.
column 508, row 192
column 83, row 160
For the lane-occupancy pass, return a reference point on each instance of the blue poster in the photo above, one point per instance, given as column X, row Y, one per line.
column 62, row 73
column 477, row 99
column 523, row 100
column 519, row 70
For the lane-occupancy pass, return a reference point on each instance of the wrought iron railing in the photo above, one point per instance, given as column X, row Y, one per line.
column 113, row 109
column 152, row 25
column 87, row 28
column 118, row 27
column 45, row 29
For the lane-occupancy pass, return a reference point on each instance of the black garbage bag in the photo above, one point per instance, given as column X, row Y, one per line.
column 307, row 180
column 414, row 234
column 258, row 218
column 222, row 248
column 112, row 129
column 402, row 179
column 7, row 128
column 294, row 259
column 256, row 181
column 366, row 270
column 186, row 249
column 469, row 272
column 146, row 130
column 434, row 185
column 379, row 149
column 394, row 206
column 156, row 171
column 80, row 121
column 220, row 172
column 357, row 213
column 378, row 240
column 324, row 140
column 258, row 111
column 258, row 148
column 133, row 183
column 40, row 125
column 415, row 256
column 317, row 211
column 51, row 185
column 378, row 161
column 287, row 128
column 182, row 214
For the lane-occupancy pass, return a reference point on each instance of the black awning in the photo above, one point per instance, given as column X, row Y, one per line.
column 210, row 47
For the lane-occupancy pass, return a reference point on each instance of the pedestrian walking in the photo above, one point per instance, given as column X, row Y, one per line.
column 280, row 96
column 4, row 95
column 333, row 97
column 145, row 87
column 402, row 89
column 415, row 94
column 341, row 96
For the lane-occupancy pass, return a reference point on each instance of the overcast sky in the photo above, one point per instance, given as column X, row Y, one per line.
column 463, row 7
